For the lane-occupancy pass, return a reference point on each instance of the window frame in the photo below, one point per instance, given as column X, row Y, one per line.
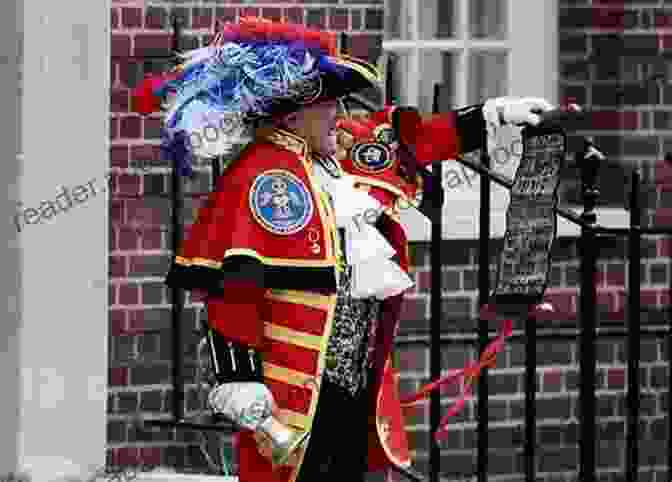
column 524, row 40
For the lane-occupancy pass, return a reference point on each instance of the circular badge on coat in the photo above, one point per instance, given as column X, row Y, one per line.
column 280, row 202
column 371, row 157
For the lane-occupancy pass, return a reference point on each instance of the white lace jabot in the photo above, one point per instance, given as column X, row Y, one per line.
column 374, row 274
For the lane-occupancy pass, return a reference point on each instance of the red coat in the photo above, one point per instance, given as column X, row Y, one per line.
column 386, row 180
column 269, row 235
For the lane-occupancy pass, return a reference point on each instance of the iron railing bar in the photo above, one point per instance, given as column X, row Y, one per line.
column 634, row 335
column 520, row 335
column 483, row 298
column 177, row 295
column 435, row 300
column 530, row 333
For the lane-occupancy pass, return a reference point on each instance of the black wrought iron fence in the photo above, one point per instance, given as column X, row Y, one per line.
column 589, row 159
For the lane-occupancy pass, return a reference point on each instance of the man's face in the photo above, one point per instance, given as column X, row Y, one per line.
column 317, row 125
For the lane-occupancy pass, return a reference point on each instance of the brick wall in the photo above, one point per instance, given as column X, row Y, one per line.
column 604, row 48
column 140, row 237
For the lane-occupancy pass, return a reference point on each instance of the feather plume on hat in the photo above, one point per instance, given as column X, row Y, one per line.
column 253, row 70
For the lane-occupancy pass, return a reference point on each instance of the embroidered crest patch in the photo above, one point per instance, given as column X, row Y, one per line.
column 384, row 134
column 371, row 157
column 280, row 202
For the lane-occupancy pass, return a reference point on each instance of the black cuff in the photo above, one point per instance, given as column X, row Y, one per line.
column 235, row 268
column 232, row 361
column 471, row 128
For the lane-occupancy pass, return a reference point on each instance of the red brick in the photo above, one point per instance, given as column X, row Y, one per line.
column 128, row 456
column 112, row 294
column 152, row 128
column 225, row 14
column 413, row 309
column 117, row 266
column 155, row 17
column 552, row 380
column 114, row 128
column 620, row 302
column 338, row 19
column 663, row 173
column 649, row 297
column 141, row 214
column 663, row 18
column 615, row 278
column 615, row 378
column 366, row 46
column 120, row 45
column 614, row 120
column 151, row 238
column 607, row 299
column 665, row 41
column 423, row 281
column 600, row 278
column 116, row 211
column 129, row 294
column 249, row 12
column 663, row 217
column 126, row 184
column 561, row 300
column 128, row 239
column 130, row 73
column 130, row 127
column 150, row 456
column 149, row 45
column 664, row 247
column 618, row 315
column 608, row 17
column 146, row 152
column 117, row 376
column 294, row 15
column 112, row 236
column 316, row 18
column 119, row 101
column 131, row 17
column 198, row 296
column 201, row 17
column 274, row 14
column 117, row 322
column 119, row 156
column 114, row 73
column 114, row 18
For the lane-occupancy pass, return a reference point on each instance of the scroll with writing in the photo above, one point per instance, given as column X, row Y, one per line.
column 531, row 220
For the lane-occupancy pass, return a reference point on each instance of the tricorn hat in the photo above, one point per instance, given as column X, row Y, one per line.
column 253, row 70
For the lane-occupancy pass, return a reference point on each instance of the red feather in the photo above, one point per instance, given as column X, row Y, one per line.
column 143, row 98
column 260, row 29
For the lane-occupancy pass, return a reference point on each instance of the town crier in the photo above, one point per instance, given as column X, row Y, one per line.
column 305, row 270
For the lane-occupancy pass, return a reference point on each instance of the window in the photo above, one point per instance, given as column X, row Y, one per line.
column 477, row 49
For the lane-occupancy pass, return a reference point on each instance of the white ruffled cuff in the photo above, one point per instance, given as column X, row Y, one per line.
column 379, row 278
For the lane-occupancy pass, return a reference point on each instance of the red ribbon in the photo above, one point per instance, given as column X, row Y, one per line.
column 466, row 377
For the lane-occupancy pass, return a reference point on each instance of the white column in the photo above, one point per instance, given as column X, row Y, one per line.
column 10, row 275
column 54, row 367
column 533, row 62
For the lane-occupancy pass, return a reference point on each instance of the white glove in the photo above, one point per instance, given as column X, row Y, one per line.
column 248, row 404
column 515, row 110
